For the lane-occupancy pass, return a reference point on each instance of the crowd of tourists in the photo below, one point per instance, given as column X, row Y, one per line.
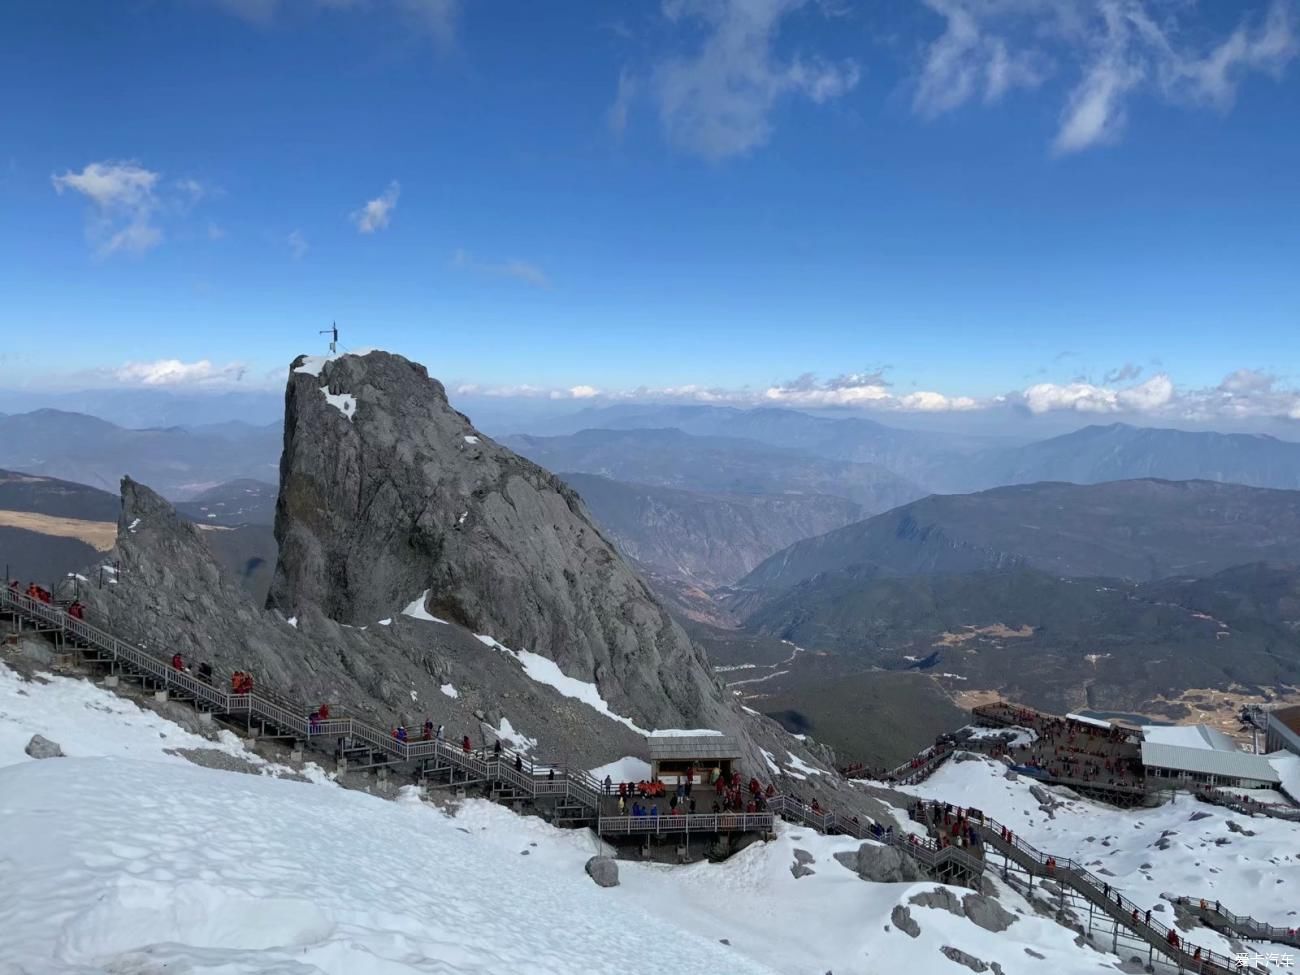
column 1069, row 749
column 721, row 794
column 953, row 825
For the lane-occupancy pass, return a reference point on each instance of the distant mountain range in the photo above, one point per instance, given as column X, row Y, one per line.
column 180, row 461
column 1140, row 530
column 1121, row 452
column 948, row 463
column 911, row 454
column 1058, row 643
column 708, row 539
column 239, row 502
column 671, row 458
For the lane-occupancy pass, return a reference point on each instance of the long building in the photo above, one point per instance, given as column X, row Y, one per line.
column 1202, row 755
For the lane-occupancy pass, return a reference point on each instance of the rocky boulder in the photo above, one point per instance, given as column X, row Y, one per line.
column 987, row 913
column 881, row 864
column 962, row 958
column 603, row 870
column 903, row 920
column 42, row 747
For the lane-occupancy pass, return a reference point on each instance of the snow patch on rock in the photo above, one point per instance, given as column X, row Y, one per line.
column 415, row 609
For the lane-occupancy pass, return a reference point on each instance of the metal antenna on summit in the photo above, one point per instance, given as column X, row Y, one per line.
column 333, row 333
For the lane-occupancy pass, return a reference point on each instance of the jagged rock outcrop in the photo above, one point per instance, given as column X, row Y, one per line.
column 169, row 594
column 386, row 492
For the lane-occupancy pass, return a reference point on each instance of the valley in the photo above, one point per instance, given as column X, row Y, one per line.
column 1134, row 595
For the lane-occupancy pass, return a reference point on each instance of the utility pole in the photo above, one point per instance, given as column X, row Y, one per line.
column 333, row 333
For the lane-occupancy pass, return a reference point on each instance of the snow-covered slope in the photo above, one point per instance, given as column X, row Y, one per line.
column 125, row 858
column 1183, row 848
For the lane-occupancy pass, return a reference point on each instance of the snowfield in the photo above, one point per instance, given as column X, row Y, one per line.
column 125, row 858
column 87, row 720
column 1203, row 856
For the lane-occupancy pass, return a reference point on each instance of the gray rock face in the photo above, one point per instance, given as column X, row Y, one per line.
column 903, row 920
column 962, row 958
column 173, row 597
column 523, row 564
column 940, row 899
column 42, row 747
column 603, row 870
column 403, row 497
column 987, row 913
column 881, row 864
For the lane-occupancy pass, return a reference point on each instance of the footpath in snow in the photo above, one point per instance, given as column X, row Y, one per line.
column 1184, row 848
column 124, row 857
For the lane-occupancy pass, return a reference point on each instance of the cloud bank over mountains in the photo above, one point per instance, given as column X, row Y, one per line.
column 1242, row 394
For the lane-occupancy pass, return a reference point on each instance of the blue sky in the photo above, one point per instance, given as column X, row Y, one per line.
column 1084, row 205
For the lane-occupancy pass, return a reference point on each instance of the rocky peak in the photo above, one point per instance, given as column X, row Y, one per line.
column 387, row 493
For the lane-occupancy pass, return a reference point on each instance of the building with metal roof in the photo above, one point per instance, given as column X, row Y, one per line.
column 1208, row 766
column 671, row 756
column 1189, row 736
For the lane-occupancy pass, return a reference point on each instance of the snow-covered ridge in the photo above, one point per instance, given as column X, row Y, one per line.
column 297, row 879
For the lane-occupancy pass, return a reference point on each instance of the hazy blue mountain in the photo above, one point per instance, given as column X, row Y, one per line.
column 951, row 462
column 1122, row 452
column 706, row 538
column 152, row 407
column 239, row 502
column 180, row 462
column 1140, row 529
column 917, row 455
column 671, row 458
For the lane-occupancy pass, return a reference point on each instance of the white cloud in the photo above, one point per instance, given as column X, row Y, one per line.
column 1114, row 48
column 524, row 271
column 298, row 245
column 1268, row 49
column 174, row 372
column 616, row 115
column 1089, row 398
column 1243, row 394
column 850, row 391
column 125, row 202
column 377, row 212
column 717, row 101
column 1133, row 48
column 128, row 203
column 967, row 60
